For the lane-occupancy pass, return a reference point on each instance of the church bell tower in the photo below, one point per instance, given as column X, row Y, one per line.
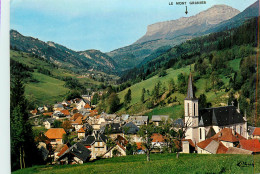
column 191, row 113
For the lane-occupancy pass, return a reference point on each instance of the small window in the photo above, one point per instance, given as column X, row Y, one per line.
column 200, row 133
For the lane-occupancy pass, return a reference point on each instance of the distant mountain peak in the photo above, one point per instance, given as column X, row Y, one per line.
column 205, row 19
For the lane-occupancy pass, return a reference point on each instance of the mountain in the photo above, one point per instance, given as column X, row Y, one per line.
column 249, row 12
column 63, row 56
column 99, row 58
column 171, row 33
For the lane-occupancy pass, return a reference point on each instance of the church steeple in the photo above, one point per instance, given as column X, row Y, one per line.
column 190, row 94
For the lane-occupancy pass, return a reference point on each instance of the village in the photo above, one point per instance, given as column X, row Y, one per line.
column 78, row 133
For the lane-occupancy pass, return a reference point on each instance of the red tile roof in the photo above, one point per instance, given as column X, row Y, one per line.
column 81, row 130
column 65, row 147
column 87, row 106
column 190, row 142
column 227, row 134
column 140, row 146
column 252, row 145
column 77, row 121
column 55, row 133
column 75, row 116
column 157, row 137
column 204, row 144
column 48, row 113
column 221, row 148
column 34, row 111
column 256, row 131
column 65, row 112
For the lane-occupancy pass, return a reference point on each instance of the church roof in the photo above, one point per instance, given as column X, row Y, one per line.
column 219, row 116
column 190, row 93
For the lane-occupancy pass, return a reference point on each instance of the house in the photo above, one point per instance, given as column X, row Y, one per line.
column 140, row 148
column 138, row 120
column 116, row 150
column 210, row 146
column 55, row 135
column 48, row 123
column 157, row 119
column 58, row 115
column 256, row 133
column 61, row 148
column 33, row 112
column 87, row 106
column 220, row 142
column 81, row 133
column 130, row 129
column 58, row 107
column 96, row 144
column 76, row 154
column 77, row 124
column 46, row 108
column 48, row 114
column 41, row 109
column 80, row 104
column 204, row 123
column 251, row 145
column 187, row 146
column 112, row 129
column 158, row 142
column 124, row 117
column 65, row 112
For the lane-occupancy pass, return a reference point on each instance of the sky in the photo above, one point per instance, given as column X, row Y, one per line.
column 104, row 25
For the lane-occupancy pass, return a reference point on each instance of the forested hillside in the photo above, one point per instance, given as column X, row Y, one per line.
column 223, row 68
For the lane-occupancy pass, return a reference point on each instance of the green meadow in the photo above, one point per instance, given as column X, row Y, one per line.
column 160, row 163
column 175, row 110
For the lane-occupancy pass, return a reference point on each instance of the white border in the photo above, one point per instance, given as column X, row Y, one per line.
column 5, row 162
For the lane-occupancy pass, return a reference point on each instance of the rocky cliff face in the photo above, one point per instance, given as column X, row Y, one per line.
column 189, row 25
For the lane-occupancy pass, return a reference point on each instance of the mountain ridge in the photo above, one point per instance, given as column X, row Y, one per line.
column 61, row 55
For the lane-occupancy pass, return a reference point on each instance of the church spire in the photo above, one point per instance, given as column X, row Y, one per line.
column 190, row 94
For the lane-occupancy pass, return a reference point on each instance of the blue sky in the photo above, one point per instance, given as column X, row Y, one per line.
column 99, row 24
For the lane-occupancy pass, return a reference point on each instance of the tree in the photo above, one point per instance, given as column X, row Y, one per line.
column 113, row 103
column 202, row 101
column 95, row 99
column 73, row 94
column 142, row 96
column 57, row 124
column 66, row 125
column 162, row 73
column 23, row 148
column 127, row 98
column 145, row 132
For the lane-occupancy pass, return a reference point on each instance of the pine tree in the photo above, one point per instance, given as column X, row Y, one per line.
column 23, row 149
column 127, row 98
column 142, row 97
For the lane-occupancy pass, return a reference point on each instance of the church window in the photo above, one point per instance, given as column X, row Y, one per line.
column 200, row 133
column 240, row 130
column 194, row 109
column 188, row 109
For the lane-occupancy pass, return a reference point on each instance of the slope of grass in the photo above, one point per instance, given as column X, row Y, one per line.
column 47, row 91
column 217, row 98
column 160, row 163
column 149, row 84
column 173, row 111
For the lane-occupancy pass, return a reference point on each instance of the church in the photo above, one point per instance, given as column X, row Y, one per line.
column 203, row 123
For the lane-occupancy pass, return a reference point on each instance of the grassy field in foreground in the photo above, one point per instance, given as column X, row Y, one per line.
column 160, row 163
